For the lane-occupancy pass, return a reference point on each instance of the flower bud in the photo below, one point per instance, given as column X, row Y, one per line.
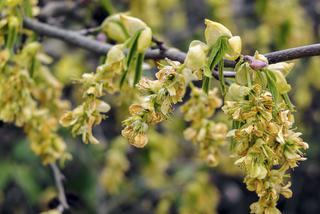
column 281, row 82
column 196, row 56
column 32, row 48
column 145, row 39
column 132, row 24
column 237, row 92
column 287, row 193
column 102, row 106
column 135, row 109
column 111, row 26
column 140, row 140
column 283, row 67
column 235, row 48
column 260, row 57
column 67, row 119
column 214, row 31
column 115, row 55
column 13, row 22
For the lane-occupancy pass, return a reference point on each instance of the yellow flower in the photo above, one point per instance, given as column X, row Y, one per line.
column 132, row 24
column 235, row 48
column 214, row 31
column 197, row 55
column 145, row 39
column 111, row 26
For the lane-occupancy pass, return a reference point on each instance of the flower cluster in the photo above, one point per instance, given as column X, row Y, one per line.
column 120, row 27
column 90, row 112
column 25, row 103
column 202, row 58
column 206, row 134
column 16, row 103
column 263, row 135
column 112, row 75
column 160, row 94
column 45, row 142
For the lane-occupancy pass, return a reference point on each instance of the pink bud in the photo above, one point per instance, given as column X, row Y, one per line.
column 255, row 64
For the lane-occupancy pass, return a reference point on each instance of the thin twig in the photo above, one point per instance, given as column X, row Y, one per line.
column 159, row 44
column 89, row 31
column 170, row 53
column 58, row 176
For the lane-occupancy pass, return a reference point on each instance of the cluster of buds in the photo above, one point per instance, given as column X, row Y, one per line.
column 110, row 76
column 45, row 142
column 121, row 27
column 91, row 111
column 215, row 34
column 11, row 20
column 24, row 102
column 207, row 135
column 16, row 103
column 202, row 58
column 263, row 135
column 156, row 104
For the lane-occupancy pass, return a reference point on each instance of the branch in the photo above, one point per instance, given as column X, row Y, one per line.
column 58, row 176
column 170, row 53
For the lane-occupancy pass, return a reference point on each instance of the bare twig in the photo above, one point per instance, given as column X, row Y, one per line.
column 88, row 31
column 58, row 176
column 159, row 44
column 170, row 53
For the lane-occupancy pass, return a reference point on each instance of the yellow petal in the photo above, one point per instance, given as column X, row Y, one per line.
column 132, row 24
column 144, row 40
column 115, row 55
column 111, row 27
column 196, row 55
column 235, row 48
column 283, row 67
column 214, row 31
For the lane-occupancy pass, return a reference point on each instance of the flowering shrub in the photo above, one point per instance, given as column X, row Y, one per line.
column 263, row 137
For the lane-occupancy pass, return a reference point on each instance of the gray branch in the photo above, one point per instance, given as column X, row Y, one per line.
column 170, row 53
column 59, row 183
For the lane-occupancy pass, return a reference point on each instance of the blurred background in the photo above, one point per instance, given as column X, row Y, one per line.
column 166, row 176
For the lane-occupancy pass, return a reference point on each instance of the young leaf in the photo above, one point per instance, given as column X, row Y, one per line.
column 221, row 77
column 131, row 54
column 206, row 82
column 288, row 101
column 213, row 59
column 207, row 72
column 272, row 85
column 138, row 69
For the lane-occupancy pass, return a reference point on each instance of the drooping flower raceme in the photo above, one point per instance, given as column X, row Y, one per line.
column 29, row 94
column 207, row 135
column 263, row 136
column 110, row 77
column 160, row 94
